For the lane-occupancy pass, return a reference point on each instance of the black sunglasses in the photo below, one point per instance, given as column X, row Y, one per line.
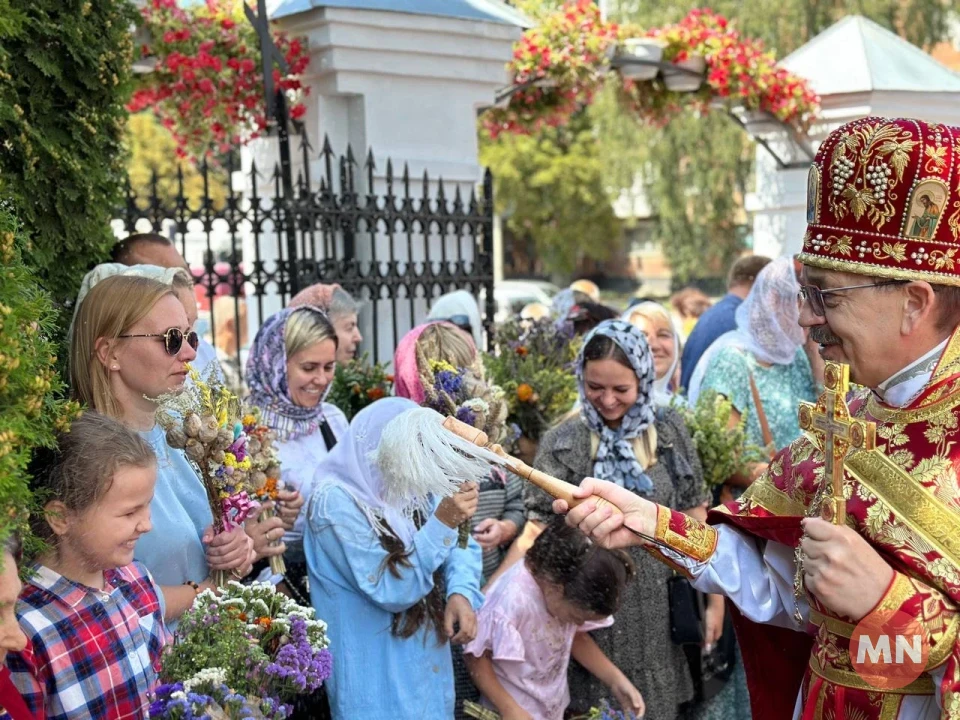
column 172, row 340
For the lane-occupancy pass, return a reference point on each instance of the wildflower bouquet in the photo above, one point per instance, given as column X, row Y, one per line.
column 724, row 451
column 255, row 641
column 606, row 712
column 534, row 366
column 465, row 394
column 203, row 420
column 264, row 471
column 206, row 696
column 357, row 383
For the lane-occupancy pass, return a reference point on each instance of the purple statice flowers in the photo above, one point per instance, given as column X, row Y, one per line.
column 448, row 381
column 297, row 664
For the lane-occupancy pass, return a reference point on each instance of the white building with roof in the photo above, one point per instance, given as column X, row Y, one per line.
column 859, row 69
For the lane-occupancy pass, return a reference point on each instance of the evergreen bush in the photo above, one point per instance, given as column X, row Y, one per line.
column 31, row 411
column 65, row 70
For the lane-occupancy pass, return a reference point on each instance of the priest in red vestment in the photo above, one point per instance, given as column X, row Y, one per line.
column 883, row 300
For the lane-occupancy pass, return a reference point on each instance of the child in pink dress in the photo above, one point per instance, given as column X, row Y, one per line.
column 537, row 615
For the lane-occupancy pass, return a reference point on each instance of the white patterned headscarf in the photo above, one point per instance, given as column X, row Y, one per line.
column 768, row 322
column 615, row 459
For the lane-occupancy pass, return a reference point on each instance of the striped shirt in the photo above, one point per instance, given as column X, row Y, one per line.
column 92, row 653
column 501, row 498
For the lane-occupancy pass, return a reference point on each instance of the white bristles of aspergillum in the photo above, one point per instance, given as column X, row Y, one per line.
column 418, row 457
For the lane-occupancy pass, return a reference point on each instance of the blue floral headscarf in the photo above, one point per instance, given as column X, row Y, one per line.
column 615, row 459
column 268, row 382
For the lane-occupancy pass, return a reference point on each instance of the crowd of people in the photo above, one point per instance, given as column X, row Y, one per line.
column 527, row 618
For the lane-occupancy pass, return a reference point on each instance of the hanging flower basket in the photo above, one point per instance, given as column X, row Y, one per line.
column 642, row 50
column 689, row 76
column 576, row 47
column 207, row 86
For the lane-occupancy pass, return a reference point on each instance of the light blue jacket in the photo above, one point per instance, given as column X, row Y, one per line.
column 377, row 676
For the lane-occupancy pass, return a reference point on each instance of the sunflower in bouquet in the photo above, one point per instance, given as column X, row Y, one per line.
column 203, row 419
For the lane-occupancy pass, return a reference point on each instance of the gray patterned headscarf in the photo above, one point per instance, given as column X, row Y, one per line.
column 615, row 459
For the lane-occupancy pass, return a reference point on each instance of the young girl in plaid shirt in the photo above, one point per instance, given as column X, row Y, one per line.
column 93, row 616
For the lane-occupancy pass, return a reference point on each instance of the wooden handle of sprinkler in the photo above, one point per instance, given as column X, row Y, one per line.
column 555, row 487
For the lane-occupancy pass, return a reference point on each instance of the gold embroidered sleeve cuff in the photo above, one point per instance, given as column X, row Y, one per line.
column 934, row 610
column 687, row 536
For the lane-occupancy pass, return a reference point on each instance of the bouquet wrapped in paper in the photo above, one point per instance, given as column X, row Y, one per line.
column 264, row 471
column 204, row 421
column 261, row 645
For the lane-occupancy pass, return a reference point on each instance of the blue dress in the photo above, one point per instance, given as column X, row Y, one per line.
column 720, row 319
column 377, row 676
column 172, row 551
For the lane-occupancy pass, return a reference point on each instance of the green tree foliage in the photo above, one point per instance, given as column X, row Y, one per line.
column 551, row 188
column 153, row 153
column 65, row 67
column 30, row 412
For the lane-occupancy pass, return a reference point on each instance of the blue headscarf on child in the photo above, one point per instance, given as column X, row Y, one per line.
column 615, row 459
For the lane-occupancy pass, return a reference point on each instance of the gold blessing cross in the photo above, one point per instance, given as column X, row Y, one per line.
column 835, row 434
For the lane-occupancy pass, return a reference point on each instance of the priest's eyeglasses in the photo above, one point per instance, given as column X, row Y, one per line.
column 814, row 295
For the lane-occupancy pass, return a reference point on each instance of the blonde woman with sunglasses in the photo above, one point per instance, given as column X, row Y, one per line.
column 131, row 341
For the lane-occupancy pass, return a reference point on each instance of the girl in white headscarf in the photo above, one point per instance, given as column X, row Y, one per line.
column 389, row 579
column 761, row 366
column 654, row 320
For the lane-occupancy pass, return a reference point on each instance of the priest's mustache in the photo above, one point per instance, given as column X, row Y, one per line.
column 822, row 335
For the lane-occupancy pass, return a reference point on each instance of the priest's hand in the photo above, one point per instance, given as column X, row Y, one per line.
column 841, row 568
column 602, row 522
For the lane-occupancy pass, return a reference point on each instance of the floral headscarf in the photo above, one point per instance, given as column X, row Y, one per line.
column 268, row 382
column 615, row 459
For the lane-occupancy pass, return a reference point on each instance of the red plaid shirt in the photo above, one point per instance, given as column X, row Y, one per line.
column 92, row 653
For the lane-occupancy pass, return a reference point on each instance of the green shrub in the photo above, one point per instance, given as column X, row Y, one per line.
column 65, row 70
column 31, row 411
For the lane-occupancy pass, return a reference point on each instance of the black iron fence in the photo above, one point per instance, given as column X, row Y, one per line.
column 393, row 241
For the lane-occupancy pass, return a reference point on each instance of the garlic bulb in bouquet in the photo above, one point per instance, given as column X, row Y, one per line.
column 191, row 425
column 209, row 429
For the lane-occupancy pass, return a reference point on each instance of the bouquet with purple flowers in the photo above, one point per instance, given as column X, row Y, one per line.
column 465, row 394
column 206, row 697
column 255, row 641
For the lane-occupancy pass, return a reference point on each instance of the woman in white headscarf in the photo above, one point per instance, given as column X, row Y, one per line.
column 461, row 309
column 654, row 321
column 390, row 580
column 761, row 366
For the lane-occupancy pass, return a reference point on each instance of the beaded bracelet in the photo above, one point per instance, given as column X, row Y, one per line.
column 195, row 586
